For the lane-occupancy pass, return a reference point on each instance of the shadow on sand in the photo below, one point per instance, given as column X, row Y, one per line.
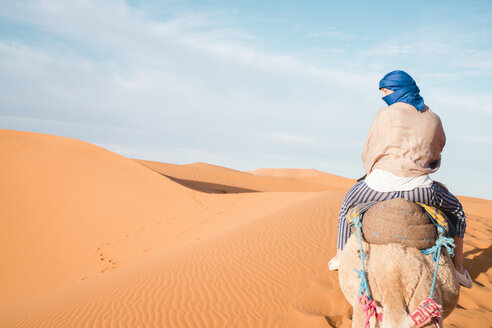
column 208, row 187
column 478, row 261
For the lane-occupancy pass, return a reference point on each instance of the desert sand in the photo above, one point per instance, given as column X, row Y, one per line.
column 90, row 238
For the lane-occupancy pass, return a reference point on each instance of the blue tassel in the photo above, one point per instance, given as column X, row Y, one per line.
column 448, row 243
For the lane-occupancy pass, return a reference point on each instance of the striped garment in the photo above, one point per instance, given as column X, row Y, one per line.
column 435, row 195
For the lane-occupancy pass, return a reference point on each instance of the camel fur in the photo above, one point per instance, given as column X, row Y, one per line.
column 399, row 278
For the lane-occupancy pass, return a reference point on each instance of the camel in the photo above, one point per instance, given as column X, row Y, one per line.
column 399, row 279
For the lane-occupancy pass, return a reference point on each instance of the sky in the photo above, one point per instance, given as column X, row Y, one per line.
column 248, row 84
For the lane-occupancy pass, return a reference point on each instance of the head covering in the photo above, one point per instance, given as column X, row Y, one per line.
column 404, row 87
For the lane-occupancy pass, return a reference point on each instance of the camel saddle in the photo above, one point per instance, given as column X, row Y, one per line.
column 400, row 221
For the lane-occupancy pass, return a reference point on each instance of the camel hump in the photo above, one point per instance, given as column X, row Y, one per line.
column 399, row 221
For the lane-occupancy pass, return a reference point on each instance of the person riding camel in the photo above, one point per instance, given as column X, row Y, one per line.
column 403, row 147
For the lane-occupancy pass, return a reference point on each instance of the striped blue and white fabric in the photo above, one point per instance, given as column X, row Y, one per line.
column 435, row 195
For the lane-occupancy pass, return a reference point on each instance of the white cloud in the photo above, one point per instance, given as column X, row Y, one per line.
column 434, row 49
column 161, row 67
column 290, row 138
column 471, row 104
column 475, row 59
column 330, row 32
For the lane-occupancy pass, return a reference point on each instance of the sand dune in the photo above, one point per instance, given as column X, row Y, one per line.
column 91, row 238
column 212, row 167
column 66, row 204
column 312, row 176
column 217, row 179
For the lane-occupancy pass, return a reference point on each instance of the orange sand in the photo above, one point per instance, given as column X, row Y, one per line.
column 91, row 238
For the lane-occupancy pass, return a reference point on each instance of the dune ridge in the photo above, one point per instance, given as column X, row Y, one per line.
column 217, row 179
column 91, row 238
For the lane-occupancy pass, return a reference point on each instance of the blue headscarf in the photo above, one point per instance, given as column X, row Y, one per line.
column 404, row 87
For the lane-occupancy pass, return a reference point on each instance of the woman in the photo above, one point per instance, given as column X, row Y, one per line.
column 403, row 147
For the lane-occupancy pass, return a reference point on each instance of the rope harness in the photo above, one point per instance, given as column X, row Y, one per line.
column 427, row 310
column 368, row 304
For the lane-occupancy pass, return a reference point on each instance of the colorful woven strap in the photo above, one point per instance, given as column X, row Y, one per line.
column 436, row 215
column 425, row 312
column 357, row 210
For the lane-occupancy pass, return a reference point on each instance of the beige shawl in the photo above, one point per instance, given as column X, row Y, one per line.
column 404, row 141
